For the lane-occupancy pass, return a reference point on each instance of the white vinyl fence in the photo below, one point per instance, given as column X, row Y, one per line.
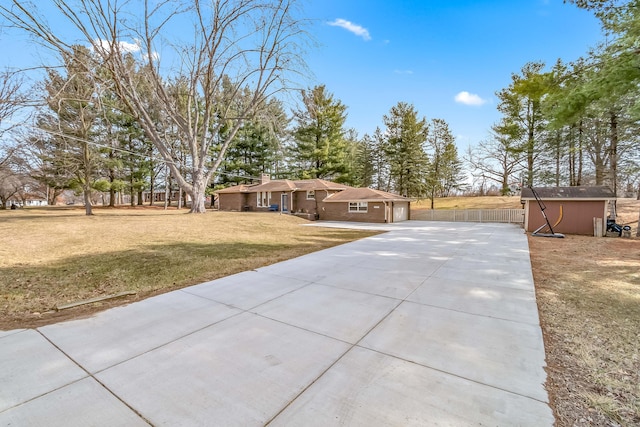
column 515, row 216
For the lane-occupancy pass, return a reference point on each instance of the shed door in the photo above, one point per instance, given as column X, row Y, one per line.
column 400, row 211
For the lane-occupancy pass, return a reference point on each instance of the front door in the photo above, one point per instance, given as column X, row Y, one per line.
column 284, row 203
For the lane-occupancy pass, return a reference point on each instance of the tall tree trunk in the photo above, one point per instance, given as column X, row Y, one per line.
column 152, row 179
column 530, row 142
column 558, row 155
column 51, row 196
column 167, row 188
column 580, row 154
column 86, row 185
column 613, row 155
column 505, row 184
column 198, row 196
column 132, row 202
column 572, row 158
column 86, row 193
column 112, row 178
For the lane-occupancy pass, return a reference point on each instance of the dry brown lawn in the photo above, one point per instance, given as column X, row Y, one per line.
column 51, row 257
column 588, row 292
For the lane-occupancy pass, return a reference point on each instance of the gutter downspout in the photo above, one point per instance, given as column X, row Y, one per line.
column 291, row 201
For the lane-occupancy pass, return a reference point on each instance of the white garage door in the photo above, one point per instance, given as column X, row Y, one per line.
column 400, row 211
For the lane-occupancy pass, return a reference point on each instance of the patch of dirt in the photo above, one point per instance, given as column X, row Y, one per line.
column 36, row 320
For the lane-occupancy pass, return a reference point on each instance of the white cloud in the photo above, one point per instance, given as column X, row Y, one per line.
column 130, row 47
column 467, row 98
column 403, row 71
column 356, row 29
column 125, row 47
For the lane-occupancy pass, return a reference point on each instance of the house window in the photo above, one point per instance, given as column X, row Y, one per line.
column 311, row 195
column 358, row 206
column 264, row 198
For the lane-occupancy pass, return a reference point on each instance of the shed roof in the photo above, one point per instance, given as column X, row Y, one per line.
column 365, row 195
column 565, row 193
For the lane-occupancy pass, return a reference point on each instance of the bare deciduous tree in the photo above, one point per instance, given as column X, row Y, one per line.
column 11, row 98
column 498, row 159
column 231, row 46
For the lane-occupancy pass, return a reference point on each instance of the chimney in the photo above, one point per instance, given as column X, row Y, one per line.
column 264, row 178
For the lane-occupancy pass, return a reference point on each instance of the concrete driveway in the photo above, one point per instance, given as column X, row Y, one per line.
column 428, row 324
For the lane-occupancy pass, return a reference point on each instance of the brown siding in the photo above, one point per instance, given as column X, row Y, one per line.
column 577, row 217
column 275, row 200
column 231, row 201
column 340, row 212
column 301, row 204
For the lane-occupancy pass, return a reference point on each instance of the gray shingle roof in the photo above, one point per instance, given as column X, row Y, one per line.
column 365, row 195
column 286, row 185
column 549, row 193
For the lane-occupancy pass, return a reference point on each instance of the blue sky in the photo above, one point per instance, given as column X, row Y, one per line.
column 374, row 53
column 371, row 54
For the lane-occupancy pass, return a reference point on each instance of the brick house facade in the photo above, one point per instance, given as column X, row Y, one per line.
column 365, row 205
column 315, row 199
column 282, row 195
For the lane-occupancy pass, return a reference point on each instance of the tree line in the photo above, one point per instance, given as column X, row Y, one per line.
column 410, row 155
column 573, row 123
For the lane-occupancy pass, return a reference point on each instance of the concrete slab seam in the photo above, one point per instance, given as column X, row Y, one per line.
column 449, row 309
column 474, row 314
column 209, row 299
column 6, row 334
column 362, row 292
column 146, row 351
column 46, row 393
column 248, row 310
column 90, row 375
column 451, row 374
column 332, row 365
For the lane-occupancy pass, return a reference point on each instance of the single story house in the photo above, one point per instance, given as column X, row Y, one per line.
column 365, row 205
column 315, row 199
column 281, row 195
column 575, row 207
